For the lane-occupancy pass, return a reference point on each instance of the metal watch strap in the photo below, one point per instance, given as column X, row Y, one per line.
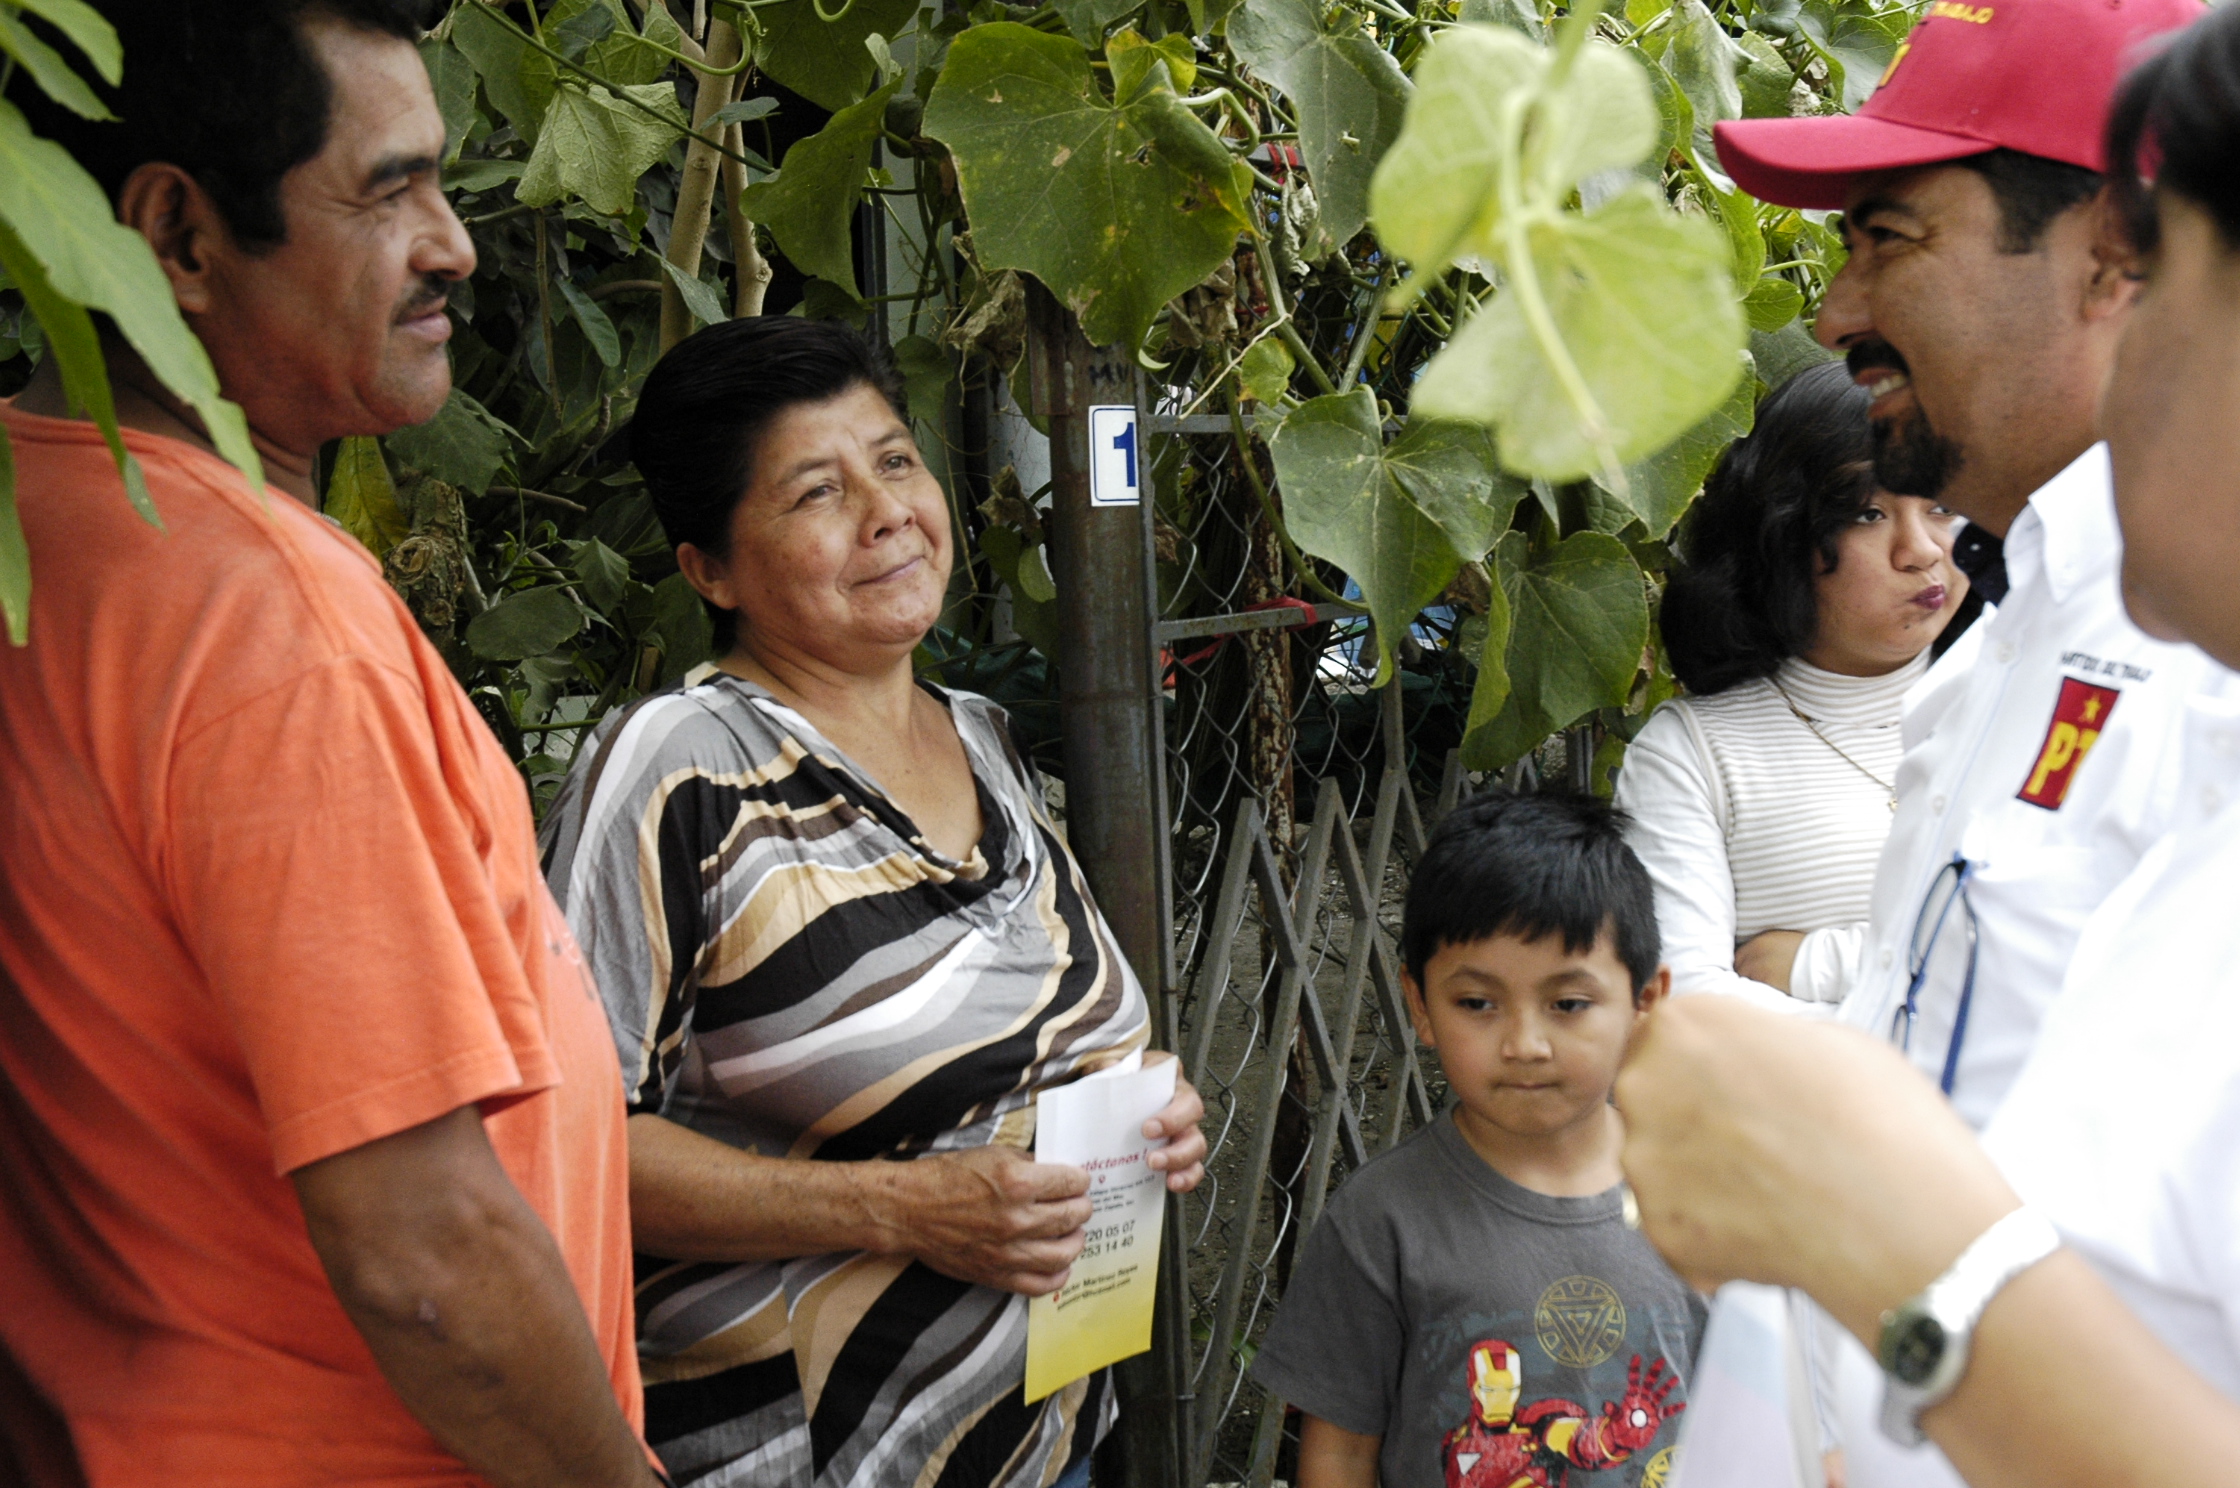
column 1955, row 1301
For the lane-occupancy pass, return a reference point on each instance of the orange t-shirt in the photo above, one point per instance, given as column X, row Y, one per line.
column 268, row 892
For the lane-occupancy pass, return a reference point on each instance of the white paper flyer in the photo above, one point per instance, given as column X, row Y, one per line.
column 1103, row 1313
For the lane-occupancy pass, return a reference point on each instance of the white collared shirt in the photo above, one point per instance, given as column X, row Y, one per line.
column 2052, row 773
column 2124, row 1127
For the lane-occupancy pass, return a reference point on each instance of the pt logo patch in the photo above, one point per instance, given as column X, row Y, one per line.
column 2079, row 715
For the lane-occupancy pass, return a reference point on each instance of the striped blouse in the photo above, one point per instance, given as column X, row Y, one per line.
column 1749, row 819
column 791, row 968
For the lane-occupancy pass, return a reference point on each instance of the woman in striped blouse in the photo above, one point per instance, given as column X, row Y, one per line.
column 842, row 949
column 1799, row 620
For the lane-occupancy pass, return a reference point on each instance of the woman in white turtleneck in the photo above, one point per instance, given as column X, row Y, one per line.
column 1801, row 616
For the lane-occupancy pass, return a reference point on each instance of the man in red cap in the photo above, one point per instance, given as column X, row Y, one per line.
column 1982, row 311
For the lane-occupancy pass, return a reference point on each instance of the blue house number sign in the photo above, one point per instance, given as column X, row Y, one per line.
column 1112, row 456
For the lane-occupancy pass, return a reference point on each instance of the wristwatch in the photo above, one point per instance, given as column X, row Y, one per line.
column 1924, row 1346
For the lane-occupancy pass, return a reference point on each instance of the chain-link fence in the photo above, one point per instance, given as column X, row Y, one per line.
column 1297, row 795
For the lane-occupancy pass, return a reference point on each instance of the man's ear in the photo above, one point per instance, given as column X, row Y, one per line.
column 182, row 224
column 1653, row 991
column 1417, row 1013
column 2116, row 271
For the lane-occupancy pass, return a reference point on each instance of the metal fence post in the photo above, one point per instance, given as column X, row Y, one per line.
column 1112, row 739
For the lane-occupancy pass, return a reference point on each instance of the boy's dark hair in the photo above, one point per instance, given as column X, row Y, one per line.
column 2173, row 127
column 2031, row 191
column 1528, row 866
column 1741, row 599
column 229, row 91
column 709, row 400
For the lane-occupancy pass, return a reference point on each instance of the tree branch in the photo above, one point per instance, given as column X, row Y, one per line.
column 696, row 188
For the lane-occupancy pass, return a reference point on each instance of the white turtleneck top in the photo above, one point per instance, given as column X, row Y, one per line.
column 1749, row 820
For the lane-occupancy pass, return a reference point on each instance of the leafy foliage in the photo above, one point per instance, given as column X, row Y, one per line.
column 1117, row 204
column 1464, row 274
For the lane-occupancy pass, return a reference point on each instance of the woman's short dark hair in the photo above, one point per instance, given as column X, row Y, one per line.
column 1740, row 599
column 707, row 403
column 229, row 91
column 2174, row 127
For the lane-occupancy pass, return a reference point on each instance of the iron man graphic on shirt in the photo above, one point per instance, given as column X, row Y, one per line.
column 1501, row 1446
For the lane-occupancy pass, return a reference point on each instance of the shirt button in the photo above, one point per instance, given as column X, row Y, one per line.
column 2006, row 652
column 2212, row 799
column 2223, row 743
column 1936, row 805
column 1888, row 955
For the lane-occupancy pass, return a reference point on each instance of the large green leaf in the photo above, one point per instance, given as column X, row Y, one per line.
column 15, row 552
column 47, row 69
column 1438, row 191
column 1088, row 20
column 1787, row 352
column 1401, row 519
column 463, row 445
column 595, row 146
column 704, row 303
column 1659, row 488
column 496, row 51
column 87, row 30
column 598, row 327
column 810, row 205
column 1578, row 619
column 523, row 625
column 824, row 61
column 1705, row 62
column 65, row 222
column 76, row 349
column 1643, row 303
column 1765, row 78
column 1117, row 205
column 614, row 50
column 1489, row 694
column 363, row 499
column 605, row 573
column 1771, row 304
column 1855, row 40
column 1348, row 92
column 452, row 77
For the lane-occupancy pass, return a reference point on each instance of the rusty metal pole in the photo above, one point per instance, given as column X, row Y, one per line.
column 1111, row 737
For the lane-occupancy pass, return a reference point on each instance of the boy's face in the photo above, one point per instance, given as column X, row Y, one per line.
column 1530, row 1035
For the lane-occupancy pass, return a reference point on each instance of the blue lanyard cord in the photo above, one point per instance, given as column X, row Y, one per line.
column 1918, row 972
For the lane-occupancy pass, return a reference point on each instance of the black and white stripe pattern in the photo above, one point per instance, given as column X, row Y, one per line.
column 789, row 967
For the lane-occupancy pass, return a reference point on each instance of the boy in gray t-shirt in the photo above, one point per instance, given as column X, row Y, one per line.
column 1473, row 1310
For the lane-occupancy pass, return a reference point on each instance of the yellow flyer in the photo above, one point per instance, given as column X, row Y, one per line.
column 1103, row 1313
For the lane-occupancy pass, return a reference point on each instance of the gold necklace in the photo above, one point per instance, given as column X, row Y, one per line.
column 1889, row 791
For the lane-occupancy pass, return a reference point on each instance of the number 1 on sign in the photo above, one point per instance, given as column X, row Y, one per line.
column 1114, row 472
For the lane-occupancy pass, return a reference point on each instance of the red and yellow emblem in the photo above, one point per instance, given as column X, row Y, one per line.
column 2078, row 717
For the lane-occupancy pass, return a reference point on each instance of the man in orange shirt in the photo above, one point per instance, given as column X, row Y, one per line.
column 312, row 1166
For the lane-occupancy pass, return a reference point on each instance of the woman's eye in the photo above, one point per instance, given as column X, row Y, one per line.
column 1871, row 514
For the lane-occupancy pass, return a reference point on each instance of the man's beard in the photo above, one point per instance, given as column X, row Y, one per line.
column 1912, row 459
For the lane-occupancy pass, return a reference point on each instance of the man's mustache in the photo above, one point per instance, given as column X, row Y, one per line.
column 433, row 293
column 1875, row 354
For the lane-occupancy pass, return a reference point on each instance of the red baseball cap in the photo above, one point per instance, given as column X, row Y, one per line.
column 2030, row 75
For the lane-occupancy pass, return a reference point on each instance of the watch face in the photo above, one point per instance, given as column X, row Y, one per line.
column 1917, row 1350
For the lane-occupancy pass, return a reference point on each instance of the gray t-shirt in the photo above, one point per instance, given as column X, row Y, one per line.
column 1491, row 1335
